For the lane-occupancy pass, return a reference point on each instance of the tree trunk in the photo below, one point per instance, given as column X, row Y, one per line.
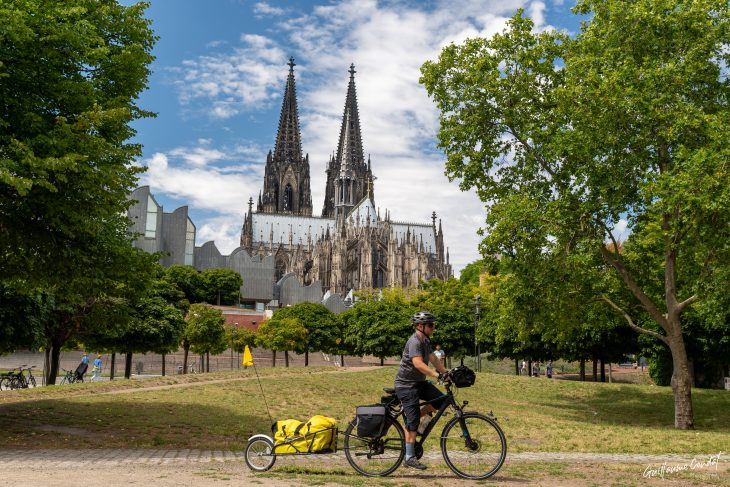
column 186, row 347
column 128, row 366
column 163, row 364
column 462, row 361
column 207, row 361
column 342, row 360
column 46, row 363
column 53, row 366
column 286, row 358
column 517, row 367
column 681, row 383
column 273, row 358
column 202, row 363
column 306, row 358
column 113, row 366
column 603, row 371
column 583, row 369
column 595, row 369
column 529, row 368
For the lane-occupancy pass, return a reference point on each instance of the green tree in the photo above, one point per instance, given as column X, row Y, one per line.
column 564, row 137
column 282, row 335
column 379, row 326
column 221, row 286
column 204, row 333
column 453, row 304
column 323, row 332
column 188, row 280
column 471, row 272
column 70, row 76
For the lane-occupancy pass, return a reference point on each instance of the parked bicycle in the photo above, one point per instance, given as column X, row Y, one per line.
column 472, row 444
column 6, row 380
column 18, row 380
column 71, row 377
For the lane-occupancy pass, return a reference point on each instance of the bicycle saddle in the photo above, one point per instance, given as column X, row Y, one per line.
column 389, row 390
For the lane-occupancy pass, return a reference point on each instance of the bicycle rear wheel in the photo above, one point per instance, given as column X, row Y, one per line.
column 375, row 457
column 476, row 453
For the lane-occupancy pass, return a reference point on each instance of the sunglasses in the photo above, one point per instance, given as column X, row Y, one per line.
column 430, row 325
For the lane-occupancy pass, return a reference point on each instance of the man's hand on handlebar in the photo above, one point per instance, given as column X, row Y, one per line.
column 444, row 377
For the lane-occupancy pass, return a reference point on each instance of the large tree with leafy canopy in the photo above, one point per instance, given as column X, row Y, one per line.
column 564, row 137
column 70, row 76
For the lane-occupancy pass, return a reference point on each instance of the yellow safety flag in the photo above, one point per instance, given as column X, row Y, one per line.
column 247, row 357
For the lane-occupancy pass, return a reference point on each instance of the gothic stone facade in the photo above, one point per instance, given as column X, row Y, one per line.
column 351, row 246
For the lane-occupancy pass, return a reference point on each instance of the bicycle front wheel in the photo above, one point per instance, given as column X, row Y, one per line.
column 475, row 450
column 376, row 457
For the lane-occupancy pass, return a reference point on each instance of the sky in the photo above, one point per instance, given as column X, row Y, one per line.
column 217, row 85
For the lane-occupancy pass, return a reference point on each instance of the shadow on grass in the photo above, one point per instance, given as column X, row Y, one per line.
column 111, row 423
column 646, row 406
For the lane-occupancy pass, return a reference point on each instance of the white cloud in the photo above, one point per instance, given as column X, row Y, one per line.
column 226, row 84
column 263, row 8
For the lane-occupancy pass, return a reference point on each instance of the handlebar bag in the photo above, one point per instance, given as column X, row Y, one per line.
column 462, row 376
column 370, row 420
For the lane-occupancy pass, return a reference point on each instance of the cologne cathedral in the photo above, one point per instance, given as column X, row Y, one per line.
column 351, row 245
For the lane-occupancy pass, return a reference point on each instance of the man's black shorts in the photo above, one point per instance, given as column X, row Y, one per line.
column 410, row 397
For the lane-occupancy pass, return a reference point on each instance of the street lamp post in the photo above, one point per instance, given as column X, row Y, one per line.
column 477, row 352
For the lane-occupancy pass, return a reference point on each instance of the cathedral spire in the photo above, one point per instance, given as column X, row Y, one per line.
column 288, row 146
column 349, row 149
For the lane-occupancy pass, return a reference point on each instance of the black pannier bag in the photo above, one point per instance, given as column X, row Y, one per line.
column 370, row 420
column 462, row 376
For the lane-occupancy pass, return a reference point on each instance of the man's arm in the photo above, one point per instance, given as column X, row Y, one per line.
column 437, row 362
column 425, row 369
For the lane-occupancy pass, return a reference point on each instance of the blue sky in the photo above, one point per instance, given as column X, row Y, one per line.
column 217, row 87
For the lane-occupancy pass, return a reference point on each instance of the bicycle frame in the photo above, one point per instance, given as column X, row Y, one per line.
column 450, row 401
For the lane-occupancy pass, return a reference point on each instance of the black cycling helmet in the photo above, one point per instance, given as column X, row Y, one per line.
column 422, row 317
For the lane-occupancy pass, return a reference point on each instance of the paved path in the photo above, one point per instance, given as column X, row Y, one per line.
column 115, row 457
column 213, row 468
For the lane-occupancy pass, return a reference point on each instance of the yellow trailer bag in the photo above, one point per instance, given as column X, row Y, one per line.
column 287, row 437
column 317, row 434
column 323, row 431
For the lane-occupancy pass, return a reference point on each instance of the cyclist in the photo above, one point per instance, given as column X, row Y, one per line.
column 411, row 385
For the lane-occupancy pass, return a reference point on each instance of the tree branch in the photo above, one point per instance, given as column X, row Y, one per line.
column 645, row 301
column 687, row 302
column 533, row 151
column 631, row 322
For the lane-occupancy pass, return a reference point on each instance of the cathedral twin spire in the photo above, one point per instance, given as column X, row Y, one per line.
column 349, row 178
column 286, row 176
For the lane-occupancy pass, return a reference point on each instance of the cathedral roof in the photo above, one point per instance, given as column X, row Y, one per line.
column 276, row 227
column 416, row 232
column 365, row 210
column 288, row 146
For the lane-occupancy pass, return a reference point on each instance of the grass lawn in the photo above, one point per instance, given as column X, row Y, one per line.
column 221, row 410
